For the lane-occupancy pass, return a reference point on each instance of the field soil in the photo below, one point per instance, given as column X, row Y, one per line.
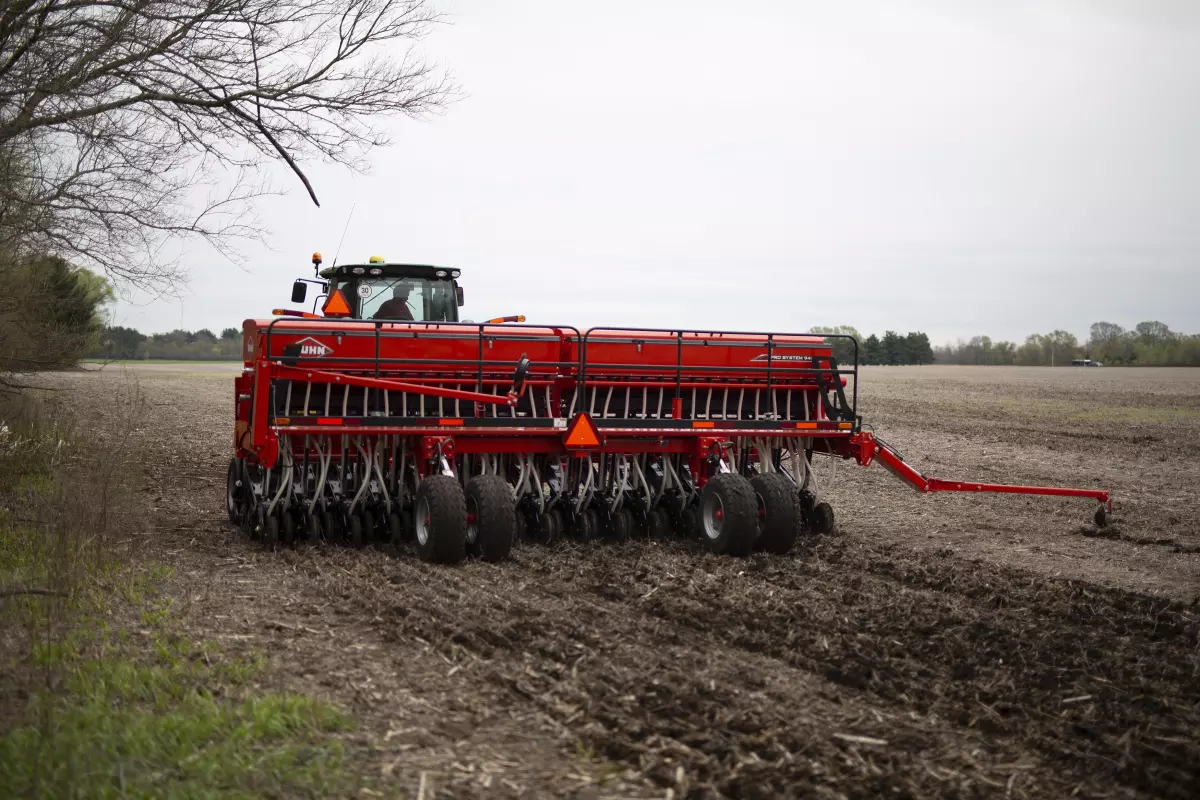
column 935, row 646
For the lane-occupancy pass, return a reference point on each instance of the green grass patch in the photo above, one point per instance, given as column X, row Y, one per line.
column 119, row 711
column 178, row 721
column 100, row 697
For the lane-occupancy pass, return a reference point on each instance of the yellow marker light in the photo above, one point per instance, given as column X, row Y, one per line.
column 376, row 260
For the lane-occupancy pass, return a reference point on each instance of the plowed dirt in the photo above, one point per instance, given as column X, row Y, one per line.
column 948, row 646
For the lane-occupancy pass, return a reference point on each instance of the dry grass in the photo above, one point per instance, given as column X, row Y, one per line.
column 100, row 695
column 939, row 647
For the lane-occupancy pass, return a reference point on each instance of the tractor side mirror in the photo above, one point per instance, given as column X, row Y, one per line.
column 458, row 295
column 299, row 291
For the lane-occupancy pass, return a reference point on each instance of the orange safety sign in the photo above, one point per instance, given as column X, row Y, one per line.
column 582, row 433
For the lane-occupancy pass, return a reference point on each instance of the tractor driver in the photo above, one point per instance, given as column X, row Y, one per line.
column 397, row 307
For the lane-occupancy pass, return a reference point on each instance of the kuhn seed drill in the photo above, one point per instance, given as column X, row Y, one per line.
column 387, row 418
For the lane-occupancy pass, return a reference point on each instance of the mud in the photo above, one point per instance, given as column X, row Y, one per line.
column 934, row 647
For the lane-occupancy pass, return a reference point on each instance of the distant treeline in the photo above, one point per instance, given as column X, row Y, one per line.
column 203, row 345
column 1148, row 344
column 892, row 349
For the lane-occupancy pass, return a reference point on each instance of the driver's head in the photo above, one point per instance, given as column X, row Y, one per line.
column 400, row 291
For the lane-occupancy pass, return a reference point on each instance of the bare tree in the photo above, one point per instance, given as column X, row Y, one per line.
column 127, row 123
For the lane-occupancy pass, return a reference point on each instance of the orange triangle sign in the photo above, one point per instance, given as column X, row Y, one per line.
column 336, row 305
column 582, row 433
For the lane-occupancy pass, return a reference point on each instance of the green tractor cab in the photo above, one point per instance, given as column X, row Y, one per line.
column 388, row 292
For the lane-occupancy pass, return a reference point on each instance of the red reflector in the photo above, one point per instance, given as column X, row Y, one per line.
column 582, row 433
column 704, row 424
column 450, row 422
column 808, row 426
column 329, row 421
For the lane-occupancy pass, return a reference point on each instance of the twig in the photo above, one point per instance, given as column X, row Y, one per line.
column 854, row 739
column 41, row 592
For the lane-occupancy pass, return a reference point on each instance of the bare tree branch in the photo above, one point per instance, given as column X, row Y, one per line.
column 116, row 116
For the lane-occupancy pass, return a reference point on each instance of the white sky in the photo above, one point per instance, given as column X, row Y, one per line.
column 956, row 167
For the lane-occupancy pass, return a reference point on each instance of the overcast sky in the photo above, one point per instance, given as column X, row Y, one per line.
column 940, row 165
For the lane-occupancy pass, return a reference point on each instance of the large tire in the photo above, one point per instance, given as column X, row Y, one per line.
column 490, row 502
column 729, row 515
column 441, row 520
column 779, row 513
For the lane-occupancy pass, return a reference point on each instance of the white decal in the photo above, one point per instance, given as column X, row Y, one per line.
column 364, row 290
column 311, row 348
column 776, row 357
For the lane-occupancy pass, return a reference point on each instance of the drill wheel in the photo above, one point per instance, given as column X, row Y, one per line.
column 491, row 518
column 729, row 515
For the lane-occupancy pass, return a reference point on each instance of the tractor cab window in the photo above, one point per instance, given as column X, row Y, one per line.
column 406, row 299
